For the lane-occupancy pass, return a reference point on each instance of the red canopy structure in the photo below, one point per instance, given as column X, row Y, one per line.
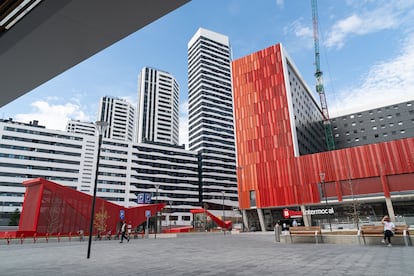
column 223, row 224
column 50, row 208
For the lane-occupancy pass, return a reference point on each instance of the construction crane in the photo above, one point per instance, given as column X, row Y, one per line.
column 319, row 80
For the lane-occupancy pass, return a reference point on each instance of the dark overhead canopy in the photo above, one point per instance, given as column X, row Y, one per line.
column 55, row 35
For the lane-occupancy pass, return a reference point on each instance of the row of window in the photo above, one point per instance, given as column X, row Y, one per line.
column 385, row 134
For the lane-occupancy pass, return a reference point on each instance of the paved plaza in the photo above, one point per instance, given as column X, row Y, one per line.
column 203, row 254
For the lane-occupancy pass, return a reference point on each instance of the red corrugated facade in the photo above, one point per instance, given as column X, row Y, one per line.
column 52, row 208
column 265, row 148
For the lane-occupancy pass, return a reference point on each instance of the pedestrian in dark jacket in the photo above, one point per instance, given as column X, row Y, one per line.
column 123, row 232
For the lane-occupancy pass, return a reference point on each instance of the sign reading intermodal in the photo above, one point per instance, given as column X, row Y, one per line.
column 326, row 211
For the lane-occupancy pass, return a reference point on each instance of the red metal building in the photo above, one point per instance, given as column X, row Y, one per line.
column 50, row 208
column 271, row 173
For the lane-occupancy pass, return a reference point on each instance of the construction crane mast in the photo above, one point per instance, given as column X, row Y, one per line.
column 319, row 80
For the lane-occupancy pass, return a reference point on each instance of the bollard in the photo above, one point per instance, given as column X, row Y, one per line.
column 58, row 236
column 8, row 238
column 21, row 238
column 70, row 236
column 34, row 237
column 47, row 237
column 277, row 232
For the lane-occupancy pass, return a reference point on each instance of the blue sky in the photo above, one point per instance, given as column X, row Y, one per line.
column 367, row 55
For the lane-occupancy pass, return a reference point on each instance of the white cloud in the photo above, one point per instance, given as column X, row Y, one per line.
column 386, row 83
column 280, row 3
column 53, row 116
column 183, row 139
column 298, row 29
column 303, row 33
column 385, row 16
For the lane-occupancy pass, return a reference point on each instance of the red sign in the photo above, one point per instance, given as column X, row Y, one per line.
column 291, row 213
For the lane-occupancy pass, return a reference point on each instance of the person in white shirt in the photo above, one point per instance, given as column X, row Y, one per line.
column 389, row 228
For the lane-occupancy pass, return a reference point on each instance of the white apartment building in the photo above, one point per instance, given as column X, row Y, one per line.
column 30, row 151
column 76, row 126
column 175, row 171
column 120, row 116
column 211, row 120
column 158, row 107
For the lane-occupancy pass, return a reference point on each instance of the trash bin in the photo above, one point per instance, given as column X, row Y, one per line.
column 278, row 231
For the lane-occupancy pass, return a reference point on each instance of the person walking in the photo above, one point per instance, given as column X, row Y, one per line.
column 389, row 228
column 123, row 232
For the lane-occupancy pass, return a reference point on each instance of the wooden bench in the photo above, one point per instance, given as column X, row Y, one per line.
column 378, row 231
column 305, row 231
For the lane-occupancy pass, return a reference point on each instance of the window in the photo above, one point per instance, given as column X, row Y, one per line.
column 252, row 198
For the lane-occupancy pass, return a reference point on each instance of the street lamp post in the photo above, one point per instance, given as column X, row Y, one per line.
column 156, row 211
column 224, row 218
column 100, row 127
column 322, row 175
column 169, row 218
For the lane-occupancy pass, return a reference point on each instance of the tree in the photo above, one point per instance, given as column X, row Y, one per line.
column 14, row 218
column 100, row 220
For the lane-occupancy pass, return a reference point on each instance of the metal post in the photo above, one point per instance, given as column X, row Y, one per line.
column 277, row 232
column 322, row 175
column 100, row 127
column 224, row 218
column 169, row 218
column 156, row 211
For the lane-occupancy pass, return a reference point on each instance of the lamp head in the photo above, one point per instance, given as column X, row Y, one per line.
column 101, row 126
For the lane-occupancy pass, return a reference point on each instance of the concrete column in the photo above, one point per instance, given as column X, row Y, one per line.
column 390, row 208
column 306, row 218
column 245, row 220
column 261, row 219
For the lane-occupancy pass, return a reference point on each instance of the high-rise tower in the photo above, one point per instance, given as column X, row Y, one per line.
column 120, row 116
column 211, row 125
column 158, row 107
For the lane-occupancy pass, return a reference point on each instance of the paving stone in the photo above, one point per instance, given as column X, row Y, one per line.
column 236, row 254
